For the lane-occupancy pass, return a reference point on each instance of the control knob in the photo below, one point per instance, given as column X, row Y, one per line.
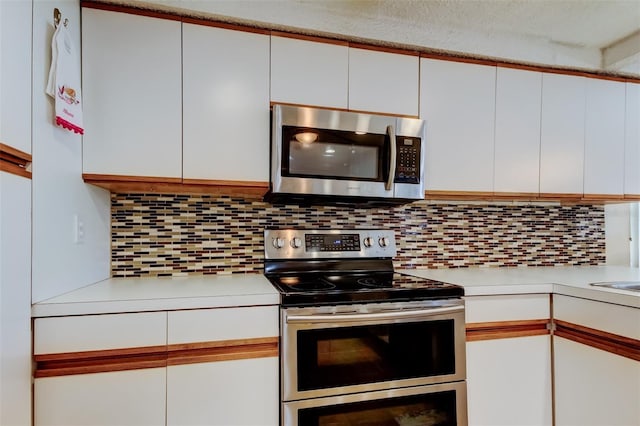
column 278, row 243
column 383, row 241
column 368, row 242
column 296, row 242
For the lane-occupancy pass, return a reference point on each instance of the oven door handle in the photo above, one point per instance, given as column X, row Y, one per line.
column 391, row 315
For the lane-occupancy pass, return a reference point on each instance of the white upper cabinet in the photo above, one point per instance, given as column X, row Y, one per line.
column 604, row 138
column 132, row 79
column 457, row 100
column 562, row 134
column 15, row 74
column 383, row 82
column 517, row 143
column 632, row 140
column 309, row 73
column 225, row 104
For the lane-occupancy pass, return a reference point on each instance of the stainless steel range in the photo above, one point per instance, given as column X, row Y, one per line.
column 361, row 343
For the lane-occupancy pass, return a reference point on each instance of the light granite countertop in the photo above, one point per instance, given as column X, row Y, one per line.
column 117, row 295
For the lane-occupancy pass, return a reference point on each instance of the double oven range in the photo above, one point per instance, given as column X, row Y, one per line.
column 362, row 344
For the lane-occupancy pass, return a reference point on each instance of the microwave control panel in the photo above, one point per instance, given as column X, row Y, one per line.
column 407, row 160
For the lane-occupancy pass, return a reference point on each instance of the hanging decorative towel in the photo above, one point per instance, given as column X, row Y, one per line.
column 64, row 81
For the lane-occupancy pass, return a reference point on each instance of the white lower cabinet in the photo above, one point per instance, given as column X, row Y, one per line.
column 508, row 371
column 595, row 387
column 225, row 393
column 135, row 397
column 509, row 381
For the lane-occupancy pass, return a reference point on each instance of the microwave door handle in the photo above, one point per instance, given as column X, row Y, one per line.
column 392, row 158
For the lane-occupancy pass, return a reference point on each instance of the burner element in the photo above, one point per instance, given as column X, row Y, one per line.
column 315, row 285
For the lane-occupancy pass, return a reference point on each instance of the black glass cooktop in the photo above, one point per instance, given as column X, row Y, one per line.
column 313, row 288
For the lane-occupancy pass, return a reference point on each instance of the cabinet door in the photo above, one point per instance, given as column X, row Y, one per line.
column 15, row 300
column 562, row 134
column 225, row 104
column 309, row 73
column 15, row 74
column 132, row 78
column 383, row 82
column 201, row 391
column 135, row 397
column 509, row 381
column 604, row 138
column 238, row 392
column 632, row 140
column 594, row 387
column 517, row 144
column 458, row 102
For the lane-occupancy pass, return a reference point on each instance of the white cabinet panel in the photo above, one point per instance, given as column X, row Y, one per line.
column 632, row 140
column 309, row 73
column 132, row 78
column 15, row 300
column 240, row 392
column 509, row 381
column 15, row 74
column 136, row 397
column 507, row 307
column 458, row 102
column 225, row 104
column 594, row 387
column 604, row 137
column 383, row 82
column 98, row 332
column 203, row 325
column 517, row 143
column 562, row 134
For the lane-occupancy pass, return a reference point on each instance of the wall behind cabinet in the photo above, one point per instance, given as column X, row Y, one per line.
column 59, row 194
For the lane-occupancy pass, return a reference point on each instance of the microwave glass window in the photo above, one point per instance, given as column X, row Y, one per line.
column 335, row 160
column 344, row 356
column 429, row 409
column 334, row 154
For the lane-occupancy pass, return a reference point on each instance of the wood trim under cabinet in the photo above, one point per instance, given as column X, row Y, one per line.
column 110, row 360
column 14, row 161
column 507, row 329
column 159, row 185
column 226, row 350
column 613, row 343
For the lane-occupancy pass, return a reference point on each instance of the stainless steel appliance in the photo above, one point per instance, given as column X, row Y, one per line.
column 361, row 342
column 321, row 154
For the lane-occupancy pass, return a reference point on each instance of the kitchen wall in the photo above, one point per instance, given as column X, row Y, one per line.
column 164, row 235
column 59, row 263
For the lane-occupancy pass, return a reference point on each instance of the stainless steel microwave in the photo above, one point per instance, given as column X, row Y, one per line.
column 325, row 155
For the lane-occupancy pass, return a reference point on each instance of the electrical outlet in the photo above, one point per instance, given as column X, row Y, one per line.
column 78, row 229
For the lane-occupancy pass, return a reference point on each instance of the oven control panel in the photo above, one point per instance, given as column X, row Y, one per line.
column 318, row 243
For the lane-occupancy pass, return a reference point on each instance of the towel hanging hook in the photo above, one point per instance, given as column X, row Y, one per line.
column 57, row 16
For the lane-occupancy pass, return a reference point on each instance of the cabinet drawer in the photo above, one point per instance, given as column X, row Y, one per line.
column 621, row 320
column 507, row 308
column 99, row 332
column 207, row 325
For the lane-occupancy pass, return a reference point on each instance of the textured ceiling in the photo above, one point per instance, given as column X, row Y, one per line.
column 589, row 34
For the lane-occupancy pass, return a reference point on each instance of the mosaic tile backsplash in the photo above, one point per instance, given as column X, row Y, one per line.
column 165, row 235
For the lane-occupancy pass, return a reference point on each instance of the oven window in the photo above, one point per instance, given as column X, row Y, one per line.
column 367, row 354
column 424, row 410
column 332, row 154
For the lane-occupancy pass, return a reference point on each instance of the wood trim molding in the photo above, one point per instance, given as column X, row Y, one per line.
column 613, row 343
column 14, row 161
column 530, row 197
column 223, row 351
column 102, row 361
column 424, row 52
column 158, row 185
column 507, row 329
